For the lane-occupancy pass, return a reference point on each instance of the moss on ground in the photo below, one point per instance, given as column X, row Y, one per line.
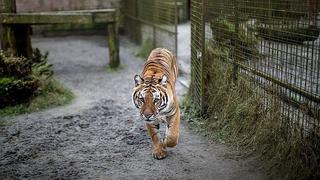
column 237, row 113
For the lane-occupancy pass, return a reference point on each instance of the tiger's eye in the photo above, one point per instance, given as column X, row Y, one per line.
column 156, row 99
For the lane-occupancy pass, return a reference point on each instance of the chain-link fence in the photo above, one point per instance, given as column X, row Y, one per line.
column 152, row 23
column 273, row 45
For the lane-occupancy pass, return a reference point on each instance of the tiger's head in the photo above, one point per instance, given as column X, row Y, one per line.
column 150, row 96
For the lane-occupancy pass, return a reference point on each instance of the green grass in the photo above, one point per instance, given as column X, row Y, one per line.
column 113, row 70
column 53, row 94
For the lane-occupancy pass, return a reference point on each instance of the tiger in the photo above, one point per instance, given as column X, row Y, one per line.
column 155, row 96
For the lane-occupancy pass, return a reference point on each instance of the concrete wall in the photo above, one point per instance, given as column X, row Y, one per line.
column 57, row 5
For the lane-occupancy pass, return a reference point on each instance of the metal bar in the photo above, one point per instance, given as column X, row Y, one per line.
column 176, row 27
column 306, row 94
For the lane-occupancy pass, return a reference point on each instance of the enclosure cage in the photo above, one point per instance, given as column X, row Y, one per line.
column 273, row 45
column 152, row 23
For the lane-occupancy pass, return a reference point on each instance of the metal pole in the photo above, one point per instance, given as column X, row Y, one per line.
column 176, row 27
column 236, row 40
column 202, row 59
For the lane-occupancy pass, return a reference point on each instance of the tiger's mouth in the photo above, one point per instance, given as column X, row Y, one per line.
column 151, row 119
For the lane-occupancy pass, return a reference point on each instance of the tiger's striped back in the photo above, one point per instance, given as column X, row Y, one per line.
column 161, row 61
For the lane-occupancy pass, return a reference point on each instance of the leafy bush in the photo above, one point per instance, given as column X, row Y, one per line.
column 11, row 66
column 13, row 91
column 22, row 78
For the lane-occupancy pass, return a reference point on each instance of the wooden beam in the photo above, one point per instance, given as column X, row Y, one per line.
column 59, row 17
column 40, row 18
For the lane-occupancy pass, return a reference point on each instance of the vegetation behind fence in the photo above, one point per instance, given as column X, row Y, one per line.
column 272, row 50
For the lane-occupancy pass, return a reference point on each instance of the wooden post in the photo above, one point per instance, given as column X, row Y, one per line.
column 113, row 43
column 7, row 38
column 15, row 38
column 22, row 33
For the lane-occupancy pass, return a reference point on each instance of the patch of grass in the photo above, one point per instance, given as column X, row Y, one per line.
column 145, row 49
column 53, row 94
column 21, row 78
column 113, row 70
column 3, row 123
column 237, row 113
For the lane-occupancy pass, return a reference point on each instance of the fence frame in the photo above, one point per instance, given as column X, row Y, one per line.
column 199, row 11
column 141, row 20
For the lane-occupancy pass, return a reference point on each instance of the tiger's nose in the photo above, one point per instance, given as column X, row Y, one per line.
column 147, row 115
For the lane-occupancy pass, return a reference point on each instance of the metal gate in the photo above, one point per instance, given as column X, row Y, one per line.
column 152, row 22
column 273, row 44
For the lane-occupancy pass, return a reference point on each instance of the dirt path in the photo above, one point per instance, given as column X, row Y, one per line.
column 99, row 135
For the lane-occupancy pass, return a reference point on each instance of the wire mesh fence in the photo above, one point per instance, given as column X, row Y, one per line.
column 273, row 44
column 197, row 43
column 152, row 22
column 1, row 5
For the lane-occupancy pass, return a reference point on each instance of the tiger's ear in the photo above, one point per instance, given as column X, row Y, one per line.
column 164, row 80
column 138, row 80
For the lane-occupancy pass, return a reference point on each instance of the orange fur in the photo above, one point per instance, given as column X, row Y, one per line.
column 159, row 74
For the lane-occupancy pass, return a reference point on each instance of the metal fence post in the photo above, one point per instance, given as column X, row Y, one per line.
column 176, row 26
column 236, row 41
column 204, row 104
column 197, row 50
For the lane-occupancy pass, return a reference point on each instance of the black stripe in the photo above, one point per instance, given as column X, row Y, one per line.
column 135, row 99
column 165, row 100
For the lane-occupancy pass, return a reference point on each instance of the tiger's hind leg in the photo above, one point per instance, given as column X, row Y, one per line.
column 173, row 130
column 158, row 151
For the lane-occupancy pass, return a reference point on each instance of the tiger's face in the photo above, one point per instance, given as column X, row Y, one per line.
column 149, row 97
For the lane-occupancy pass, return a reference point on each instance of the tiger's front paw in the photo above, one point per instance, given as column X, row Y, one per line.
column 159, row 153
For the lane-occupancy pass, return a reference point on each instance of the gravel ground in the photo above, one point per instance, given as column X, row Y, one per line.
column 99, row 135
